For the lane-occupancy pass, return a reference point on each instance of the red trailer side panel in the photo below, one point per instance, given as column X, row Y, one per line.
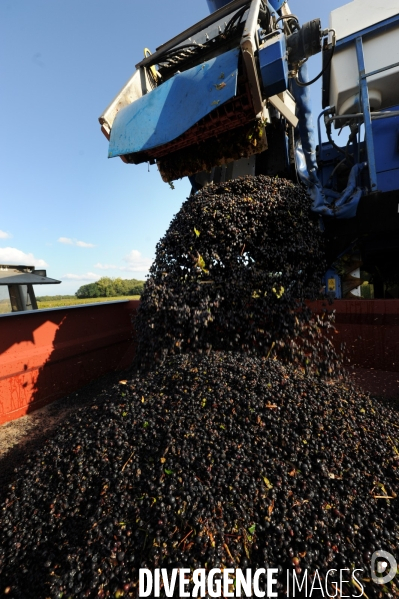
column 369, row 329
column 47, row 354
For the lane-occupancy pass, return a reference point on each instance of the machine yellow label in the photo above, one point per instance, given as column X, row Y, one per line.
column 331, row 285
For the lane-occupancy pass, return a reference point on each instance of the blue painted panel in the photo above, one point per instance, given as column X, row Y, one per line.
column 386, row 147
column 172, row 108
column 386, row 142
column 273, row 64
column 388, row 180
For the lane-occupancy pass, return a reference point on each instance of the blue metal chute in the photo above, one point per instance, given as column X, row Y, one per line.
column 171, row 109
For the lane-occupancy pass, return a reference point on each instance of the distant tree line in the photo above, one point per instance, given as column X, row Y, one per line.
column 108, row 287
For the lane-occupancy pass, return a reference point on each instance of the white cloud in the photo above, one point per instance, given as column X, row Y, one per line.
column 135, row 263
column 69, row 241
column 107, row 266
column 83, row 244
column 10, row 255
column 89, row 276
column 4, row 235
column 65, row 240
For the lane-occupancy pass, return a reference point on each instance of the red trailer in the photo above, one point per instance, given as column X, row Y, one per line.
column 46, row 354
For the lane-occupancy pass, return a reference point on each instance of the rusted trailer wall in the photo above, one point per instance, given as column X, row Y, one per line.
column 47, row 354
column 369, row 329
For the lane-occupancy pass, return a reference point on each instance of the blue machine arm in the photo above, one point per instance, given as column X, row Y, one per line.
column 325, row 202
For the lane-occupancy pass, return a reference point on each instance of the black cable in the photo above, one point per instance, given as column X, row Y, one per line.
column 335, row 170
column 175, row 53
column 178, row 50
column 289, row 18
column 330, row 139
column 303, row 84
column 238, row 15
column 264, row 17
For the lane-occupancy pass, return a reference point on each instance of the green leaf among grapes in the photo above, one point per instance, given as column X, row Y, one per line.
column 251, row 529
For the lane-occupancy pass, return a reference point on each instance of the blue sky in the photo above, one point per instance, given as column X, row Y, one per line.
column 64, row 205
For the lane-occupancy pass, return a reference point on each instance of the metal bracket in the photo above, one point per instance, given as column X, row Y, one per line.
column 136, row 87
column 248, row 49
column 391, row 66
column 284, row 109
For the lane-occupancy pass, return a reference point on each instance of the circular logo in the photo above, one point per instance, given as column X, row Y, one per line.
column 385, row 559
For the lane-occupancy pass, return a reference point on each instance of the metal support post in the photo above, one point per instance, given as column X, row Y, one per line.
column 365, row 105
column 248, row 48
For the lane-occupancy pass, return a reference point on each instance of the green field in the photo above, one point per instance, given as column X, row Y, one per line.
column 59, row 303
column 5, row 306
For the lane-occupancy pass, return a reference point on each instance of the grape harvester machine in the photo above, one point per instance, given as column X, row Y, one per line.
column 230, row 96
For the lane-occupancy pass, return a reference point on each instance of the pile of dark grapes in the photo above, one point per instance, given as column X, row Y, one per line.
column 219, row 460
column 234, row 447
column 233, row 272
